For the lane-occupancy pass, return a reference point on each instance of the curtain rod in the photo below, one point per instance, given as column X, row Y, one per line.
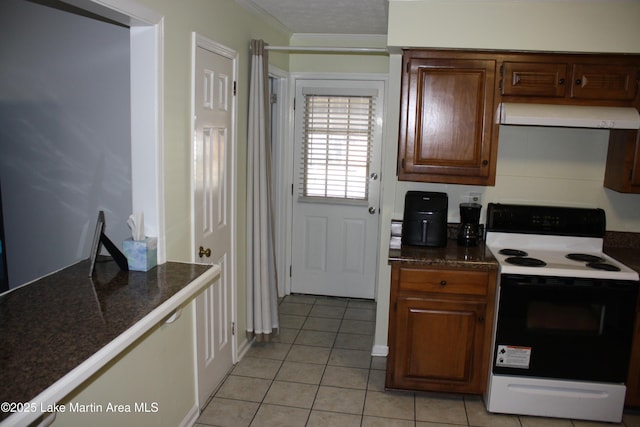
column 329, row 49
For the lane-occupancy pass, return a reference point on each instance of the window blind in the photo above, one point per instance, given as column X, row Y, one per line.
column 337, row 139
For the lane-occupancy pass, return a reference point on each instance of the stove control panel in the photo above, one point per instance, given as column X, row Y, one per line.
column 553, row 220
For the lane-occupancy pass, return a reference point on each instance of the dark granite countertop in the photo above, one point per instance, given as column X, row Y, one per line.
column 451, row 256
column 51, row 326
column 627, row 256
column 625, row 247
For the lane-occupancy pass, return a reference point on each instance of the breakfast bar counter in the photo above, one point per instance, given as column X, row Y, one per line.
column 59, row 330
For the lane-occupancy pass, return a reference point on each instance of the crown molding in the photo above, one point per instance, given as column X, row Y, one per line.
column 251, row 7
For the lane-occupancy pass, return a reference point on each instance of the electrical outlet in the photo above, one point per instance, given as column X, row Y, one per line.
column 471, row 198
column 475, row 198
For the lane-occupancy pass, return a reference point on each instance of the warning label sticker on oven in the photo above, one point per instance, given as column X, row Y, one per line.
column 511, row 356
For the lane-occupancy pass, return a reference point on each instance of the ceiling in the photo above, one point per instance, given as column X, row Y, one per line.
column 326, row 16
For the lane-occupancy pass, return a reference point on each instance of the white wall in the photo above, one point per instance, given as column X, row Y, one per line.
column 319, row 62
column 65, row 144
column 548, row 25
column 553, row 166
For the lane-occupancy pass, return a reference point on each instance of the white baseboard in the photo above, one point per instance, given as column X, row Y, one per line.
column 243, row 347
column 192, row 416
column 380, row 350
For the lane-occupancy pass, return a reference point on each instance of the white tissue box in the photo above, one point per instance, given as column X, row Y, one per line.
column 142, row 255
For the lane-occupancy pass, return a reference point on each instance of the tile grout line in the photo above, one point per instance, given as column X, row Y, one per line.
column 331, row 349
column 324, row 369
column 261, row 403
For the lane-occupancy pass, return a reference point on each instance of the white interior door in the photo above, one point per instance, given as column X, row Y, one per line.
column 214, row 110
column 336, row 193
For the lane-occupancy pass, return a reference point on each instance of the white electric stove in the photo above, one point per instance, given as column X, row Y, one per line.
column 564, row 314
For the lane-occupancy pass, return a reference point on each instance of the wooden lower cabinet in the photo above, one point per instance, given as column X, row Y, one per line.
column 440, row 325
column 632, row 398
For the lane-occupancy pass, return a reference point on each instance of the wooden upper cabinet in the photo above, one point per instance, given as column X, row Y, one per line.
column 577, row 79
column 605, row 81
column 446, row 124
column 534, row 79
column 448, row 129
column 622, row 172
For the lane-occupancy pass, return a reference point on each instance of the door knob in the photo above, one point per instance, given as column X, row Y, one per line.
column 204, row 252
column 372, row 210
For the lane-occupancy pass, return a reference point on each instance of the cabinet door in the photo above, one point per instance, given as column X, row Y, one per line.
column 605, row 82
column 633, row 380
column 622, row 172
column 447, row 121
column 632, row 397
column 534, row 79
column 438, row 345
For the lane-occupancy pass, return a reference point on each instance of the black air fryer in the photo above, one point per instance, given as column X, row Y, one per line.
column 425, row 219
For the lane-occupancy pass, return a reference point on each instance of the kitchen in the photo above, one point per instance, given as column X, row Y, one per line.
column 573, row 176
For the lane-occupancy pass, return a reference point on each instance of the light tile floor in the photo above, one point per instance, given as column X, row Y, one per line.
column 319, row 372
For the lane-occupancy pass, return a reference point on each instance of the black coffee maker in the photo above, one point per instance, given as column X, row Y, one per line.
column 469, row 231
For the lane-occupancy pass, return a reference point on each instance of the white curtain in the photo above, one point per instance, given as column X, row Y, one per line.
column 262, row 288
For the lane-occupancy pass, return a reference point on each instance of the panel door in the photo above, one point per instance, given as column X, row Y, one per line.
column 335, row 239
column 213, row 186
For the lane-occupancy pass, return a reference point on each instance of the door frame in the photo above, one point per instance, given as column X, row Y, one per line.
column 217, row 48
column 288, row 161
column 281, row 158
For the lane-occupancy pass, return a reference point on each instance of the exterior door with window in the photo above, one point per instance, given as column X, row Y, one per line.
column 338, row 138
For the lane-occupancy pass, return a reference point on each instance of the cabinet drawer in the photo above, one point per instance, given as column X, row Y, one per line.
column 534, row 79
column 467, row 282
column 605, row 82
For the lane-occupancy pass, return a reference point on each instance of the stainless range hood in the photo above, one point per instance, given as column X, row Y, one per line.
column 569, row 116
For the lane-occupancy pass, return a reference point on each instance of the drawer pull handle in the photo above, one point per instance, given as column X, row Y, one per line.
column 443, row 283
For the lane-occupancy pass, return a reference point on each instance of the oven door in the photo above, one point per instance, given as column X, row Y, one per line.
column 564, row 328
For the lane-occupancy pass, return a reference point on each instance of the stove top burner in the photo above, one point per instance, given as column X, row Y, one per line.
column 584, row 257
column 525, row 261
column 513, row 252
column 603, row 266
column 552, row 241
